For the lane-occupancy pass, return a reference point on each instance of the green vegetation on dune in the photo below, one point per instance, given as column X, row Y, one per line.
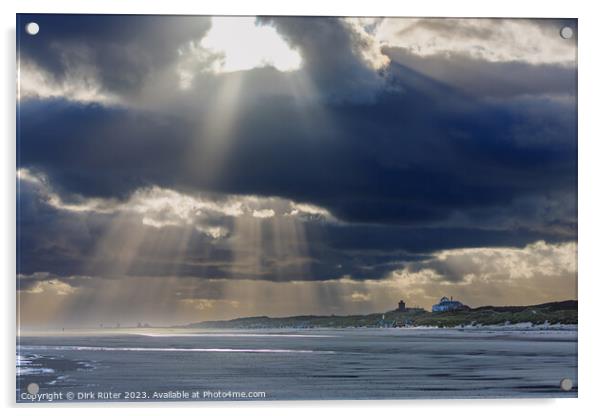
column 551, row 313
column 534, row 315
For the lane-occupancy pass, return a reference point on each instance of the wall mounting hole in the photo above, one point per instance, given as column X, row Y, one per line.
column 566, row 32
column 566, row 384
column 32, row 28
column 33, row 388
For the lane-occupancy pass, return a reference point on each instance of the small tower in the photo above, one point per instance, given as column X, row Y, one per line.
column 401, row 306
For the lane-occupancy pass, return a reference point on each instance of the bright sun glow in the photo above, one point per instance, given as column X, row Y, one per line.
column 246, row 45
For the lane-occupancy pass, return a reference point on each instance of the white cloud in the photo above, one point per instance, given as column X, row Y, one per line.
column 539, row 272
column 263, row 213
column 80, row 84
column 360, row 297
column 40, row 283
column 208, row 304
column 495, row 40
column 368, row 45
column 244, row 45
column 310, row 211
column 161, row 207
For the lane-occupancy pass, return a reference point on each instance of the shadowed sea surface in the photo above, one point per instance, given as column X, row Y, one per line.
column 298, row 364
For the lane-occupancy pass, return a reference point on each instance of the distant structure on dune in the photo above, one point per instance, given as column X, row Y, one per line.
column 449, row 305
column 401, row 307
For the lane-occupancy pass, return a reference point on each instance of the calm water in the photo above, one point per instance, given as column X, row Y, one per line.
column 297, row 365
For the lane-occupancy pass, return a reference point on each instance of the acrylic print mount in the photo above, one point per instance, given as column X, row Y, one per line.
column 278, row 208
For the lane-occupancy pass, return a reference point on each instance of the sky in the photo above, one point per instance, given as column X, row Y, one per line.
column 175, row 169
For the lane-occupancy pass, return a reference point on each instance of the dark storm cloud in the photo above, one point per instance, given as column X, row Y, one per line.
column 415, row 156
column 68, row 243
column 49, row 238
column 332, row 56
column 121, row 50
column 93, row 150
column 63, row 242
column 481, row 78
column 410, row 163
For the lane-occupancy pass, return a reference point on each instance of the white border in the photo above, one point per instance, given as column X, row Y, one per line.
column 590, row 207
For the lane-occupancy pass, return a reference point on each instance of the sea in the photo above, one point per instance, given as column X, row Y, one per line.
column 296, row 364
